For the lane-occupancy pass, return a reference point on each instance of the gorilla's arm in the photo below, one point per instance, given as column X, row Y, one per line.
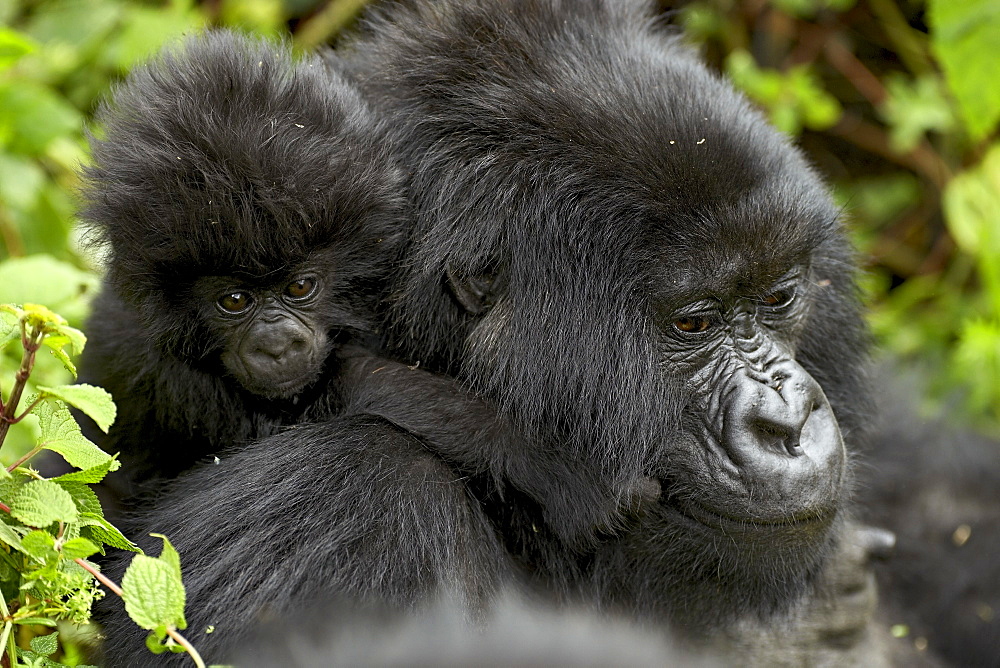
column 352, row 509
column 468, row 432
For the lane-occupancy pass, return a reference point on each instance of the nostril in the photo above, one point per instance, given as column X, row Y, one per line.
column 776, row 438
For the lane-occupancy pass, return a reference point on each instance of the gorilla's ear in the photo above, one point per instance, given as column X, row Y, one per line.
column 476, row 293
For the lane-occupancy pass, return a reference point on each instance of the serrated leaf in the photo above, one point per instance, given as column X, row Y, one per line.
column 60, row 433
column 45, row 645
column 91, row 475
column 39, row 544
column 41, row 503
column 103, row 531
column 78, row 548
column 95, row 402
column 58, row 336
column 65, row 360
column 154, row 595
column 84, row 497
column 9, row 537
column 169, row 555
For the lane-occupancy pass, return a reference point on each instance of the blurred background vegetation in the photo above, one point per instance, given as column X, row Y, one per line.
column 897, row 102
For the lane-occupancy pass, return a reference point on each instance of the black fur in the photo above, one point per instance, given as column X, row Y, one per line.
column 578, row 179
column 225, row 158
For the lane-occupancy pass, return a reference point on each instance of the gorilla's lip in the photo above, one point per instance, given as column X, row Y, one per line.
column 808, row 519
column 285, row 389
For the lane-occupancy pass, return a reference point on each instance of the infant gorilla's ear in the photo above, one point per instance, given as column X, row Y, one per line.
column 250, row 210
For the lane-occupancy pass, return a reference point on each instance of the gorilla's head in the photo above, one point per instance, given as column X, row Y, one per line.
column 249, row 207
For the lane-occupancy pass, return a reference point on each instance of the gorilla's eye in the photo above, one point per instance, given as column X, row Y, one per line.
column 300, row 288
column 692, row 325
column 235, row 302
column 779, row 298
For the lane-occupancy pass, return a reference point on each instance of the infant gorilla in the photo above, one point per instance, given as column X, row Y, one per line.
column 250, row 211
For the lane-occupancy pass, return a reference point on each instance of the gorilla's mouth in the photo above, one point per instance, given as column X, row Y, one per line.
column 810, row 521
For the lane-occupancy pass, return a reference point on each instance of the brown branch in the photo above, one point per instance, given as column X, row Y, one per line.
column 103, row 579
column 855, row 71
column 872, row 138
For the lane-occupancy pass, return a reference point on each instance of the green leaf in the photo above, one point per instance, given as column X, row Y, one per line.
column 59, row 335
column 99, row 529
column 155, row 640
column 40, row 503
column 9, row 537
column 84, row 497
column 79, row 548
column 39, row 544
column 60, row 433
column 153, row 591
column 913, row 108
column 964, row 37
column 21, row 183
column 9, row 331
column 13, row 45
column 95, row 402
column 65, row 360
column 42, row 279
column 972, row 206
column 45, row 645
column 169, row 556
column 91, row 475
column 36, row 115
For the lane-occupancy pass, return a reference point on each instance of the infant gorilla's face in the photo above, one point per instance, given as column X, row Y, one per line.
column 273, row 331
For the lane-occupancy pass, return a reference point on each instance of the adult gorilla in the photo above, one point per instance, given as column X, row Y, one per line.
column 647, row 281
column 644, row 281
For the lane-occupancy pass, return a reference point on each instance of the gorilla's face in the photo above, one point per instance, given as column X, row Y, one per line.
column 272, row 336
column 759, row 453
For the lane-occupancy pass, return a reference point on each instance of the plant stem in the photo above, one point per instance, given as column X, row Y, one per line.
column 101, row 577
column 31, row 453
column 188, row 647
column 9, row 651
column 31, row 345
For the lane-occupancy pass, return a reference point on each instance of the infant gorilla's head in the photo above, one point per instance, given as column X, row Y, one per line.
column 249, row 208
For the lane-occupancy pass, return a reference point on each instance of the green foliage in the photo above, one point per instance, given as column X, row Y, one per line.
column 793, row 98
column 964, row 37
column 914, row 108
column 50, row 527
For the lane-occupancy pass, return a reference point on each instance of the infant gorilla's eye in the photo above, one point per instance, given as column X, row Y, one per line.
column 300, row 288
column 235, row 302
column 692, row 325
column 779, row 297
